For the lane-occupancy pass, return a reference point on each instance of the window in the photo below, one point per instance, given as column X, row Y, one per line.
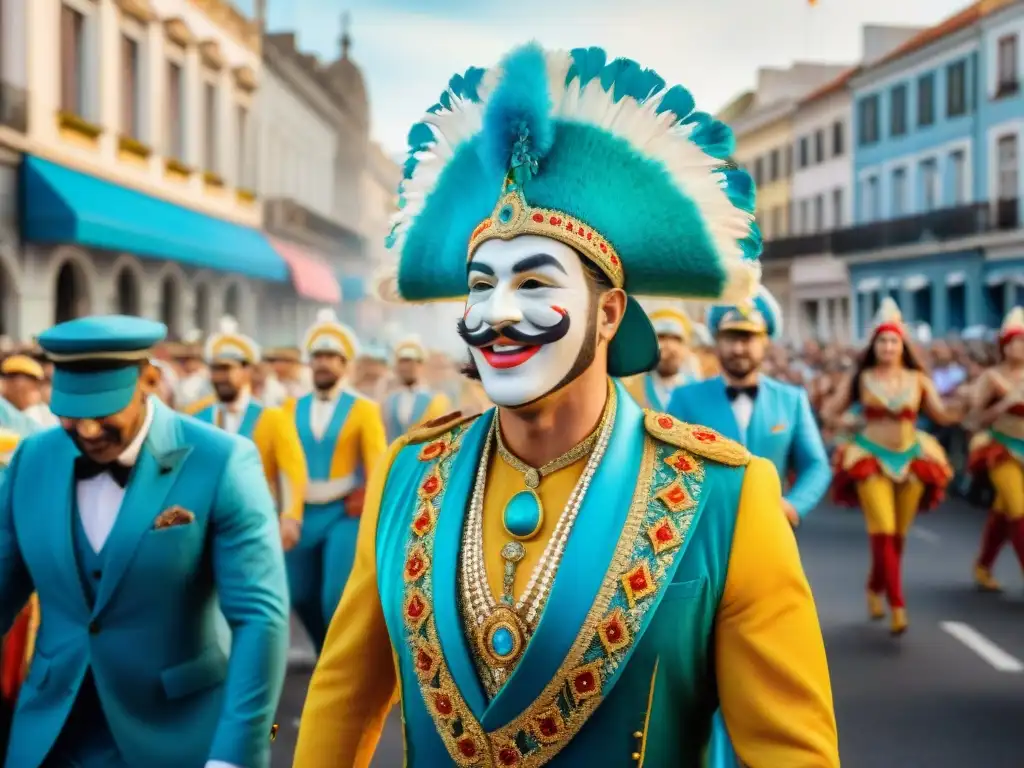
column 804, row 152
column 926, row 100
column 869, row 120
column 805, row 217
column 1006, row 155
column 819, row 213
column 929, row 186
column 777, row 223
column 838, row 139
column 242, row 124
column 898, row 110
column 1007, row 67
column 956, row 89
column 899, row 192
column 873, row 200
column 759, row 171
column 837, row 208
column 175, row 111
column 72, row 61
column 131, row 79
column 788, row 168
column 957, row 166
column 819, row 146
column 210, row 127
column 773, row 165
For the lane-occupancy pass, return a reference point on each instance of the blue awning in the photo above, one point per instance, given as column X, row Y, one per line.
column 60, row 205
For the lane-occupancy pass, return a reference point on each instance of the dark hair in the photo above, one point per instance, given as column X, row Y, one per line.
column 910, row 358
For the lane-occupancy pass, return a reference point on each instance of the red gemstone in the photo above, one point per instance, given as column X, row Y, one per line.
column 604, row 248
column 683, row 464
column 424, row 661
column 704, row 437
column 415, row 609
column 547, row 726
column 539, row 218
column 430, row 484
column 467, row 747
column 676, row 495
column 613, row 631
column 443, row 704
column 508, row 756
column 663, row 534
column 584, row 682
column 665, row 422
column 414, row 567
column 581, row 232
column 638, row 582
column 554, row 221
column 570, row 226
column 615, row 260
column 422, row 522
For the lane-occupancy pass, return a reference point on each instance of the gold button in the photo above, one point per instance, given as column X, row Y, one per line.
column 636, row 756
column 638, row 734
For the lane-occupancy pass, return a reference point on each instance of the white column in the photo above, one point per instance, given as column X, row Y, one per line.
column 108, row 62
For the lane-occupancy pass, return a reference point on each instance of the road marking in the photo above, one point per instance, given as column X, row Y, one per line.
column 924, row 534
column 981, row 645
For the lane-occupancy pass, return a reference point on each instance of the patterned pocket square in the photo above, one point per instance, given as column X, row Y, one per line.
column 778, row 428
column 173, row 516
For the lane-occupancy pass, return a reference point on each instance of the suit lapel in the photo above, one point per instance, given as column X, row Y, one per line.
column 720, row 414
column 156, row 471
column 61, row 490
column 764, row 406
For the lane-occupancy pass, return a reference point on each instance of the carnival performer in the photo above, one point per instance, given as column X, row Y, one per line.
column 412, row 403
column 141, row 530
column 569, row 580
column 890, row 468
column 997, row 407
column 231, row 356
column 677, row 365
column 343, row 441
column 771, row 418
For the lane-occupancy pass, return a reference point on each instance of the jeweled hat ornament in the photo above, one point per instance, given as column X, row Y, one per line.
column 600, row 155
column 328, row 334
column 760, row 314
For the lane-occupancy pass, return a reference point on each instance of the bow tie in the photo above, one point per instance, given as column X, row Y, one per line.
column 86, row 468
column 733, row 392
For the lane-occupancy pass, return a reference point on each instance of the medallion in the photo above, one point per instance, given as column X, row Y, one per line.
column 503, row 637
column 523, row 516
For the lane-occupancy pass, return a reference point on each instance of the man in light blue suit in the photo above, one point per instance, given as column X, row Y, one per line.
column 140, row 530
column 772, row 419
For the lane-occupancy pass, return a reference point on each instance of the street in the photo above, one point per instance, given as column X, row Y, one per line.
column 946, row 695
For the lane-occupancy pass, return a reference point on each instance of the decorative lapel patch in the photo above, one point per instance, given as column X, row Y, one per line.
column 664, row 506
column 778, row 428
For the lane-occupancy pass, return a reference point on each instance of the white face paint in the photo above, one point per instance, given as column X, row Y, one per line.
column 526, row 316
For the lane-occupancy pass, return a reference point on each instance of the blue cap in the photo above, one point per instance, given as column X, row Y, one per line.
column 96, row 362
column 761, row 314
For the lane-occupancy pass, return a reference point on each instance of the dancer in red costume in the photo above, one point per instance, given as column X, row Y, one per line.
column 889, row 468
column 997, row 451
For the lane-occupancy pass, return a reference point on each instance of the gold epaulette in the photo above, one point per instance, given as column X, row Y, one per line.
column 436, row 427
column 696, row 439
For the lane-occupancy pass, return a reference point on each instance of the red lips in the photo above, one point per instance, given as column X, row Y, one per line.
column 504, row 360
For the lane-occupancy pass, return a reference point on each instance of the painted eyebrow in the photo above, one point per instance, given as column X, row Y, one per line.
column 479, row 266
column 537, row 261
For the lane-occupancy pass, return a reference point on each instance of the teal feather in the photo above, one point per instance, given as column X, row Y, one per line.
column 409, row 166
column 715, row 138
column 587, row 63
column 679, row 101
column 517, row 121
column 421, row 136
column 466, row 86
column 624, row 77
column 739, row 187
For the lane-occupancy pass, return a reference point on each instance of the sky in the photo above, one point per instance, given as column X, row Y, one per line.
column 408, row 49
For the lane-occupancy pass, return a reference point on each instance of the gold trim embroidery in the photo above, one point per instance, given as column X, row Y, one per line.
column 696, row 439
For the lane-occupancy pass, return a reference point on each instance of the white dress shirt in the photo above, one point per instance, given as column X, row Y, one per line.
column 233, row 414
column 743, row 409
column 99, row 498
column 322, row 411
column 99, row 501
column 41, row 414
column 406, row 402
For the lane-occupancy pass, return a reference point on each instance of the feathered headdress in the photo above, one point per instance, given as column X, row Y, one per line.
column 889, row 318
column 230, row 345
column 760, row 314
column 600, row 155
column 328, row 334
column 1013, row 325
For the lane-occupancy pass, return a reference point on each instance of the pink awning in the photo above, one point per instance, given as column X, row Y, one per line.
column 311, row 276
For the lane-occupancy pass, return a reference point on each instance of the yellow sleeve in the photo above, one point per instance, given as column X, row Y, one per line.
column 201, row 404
column 773, row 678
column 351, row 690
column 373, row 442
column 439, row 406
column 290, row 463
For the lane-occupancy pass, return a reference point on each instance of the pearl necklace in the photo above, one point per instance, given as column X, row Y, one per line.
column 476, row 590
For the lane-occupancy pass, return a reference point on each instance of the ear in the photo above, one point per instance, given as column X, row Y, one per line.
column 150, row 379
column 612, row 310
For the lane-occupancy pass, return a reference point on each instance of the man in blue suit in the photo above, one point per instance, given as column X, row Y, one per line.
column 772, row 419
column 141, row 531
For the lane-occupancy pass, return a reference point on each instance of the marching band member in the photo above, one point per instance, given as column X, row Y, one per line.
column 23, row 382
column 677, row 365
column 231, row 356
column 141, row 531
column 997, row 406
column 193, row 392
column 890, row 468
column 567, row 580
column 412, row 403
column 343, row 440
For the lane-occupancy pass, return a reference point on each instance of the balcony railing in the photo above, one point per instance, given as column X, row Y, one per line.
column 801, row 245
column 1007, row 213
column 13, row 107
column 944, row 224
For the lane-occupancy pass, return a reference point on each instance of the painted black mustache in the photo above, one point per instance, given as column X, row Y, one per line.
column 489, row 335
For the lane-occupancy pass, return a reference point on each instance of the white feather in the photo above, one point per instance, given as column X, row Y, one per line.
column 326, row 315
column 227, row 325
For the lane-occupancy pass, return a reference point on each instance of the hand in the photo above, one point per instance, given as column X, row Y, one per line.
column 291, row 532
column 791, row 513
column 354, row 502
